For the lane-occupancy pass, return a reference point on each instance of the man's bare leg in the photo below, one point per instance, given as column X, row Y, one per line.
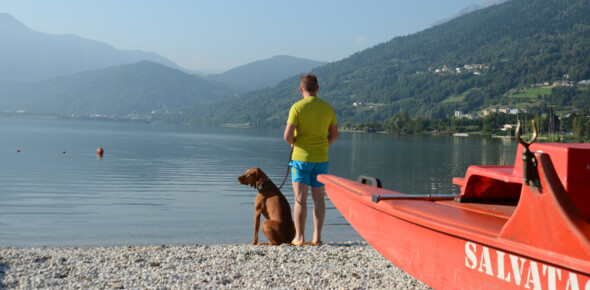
column 300, row 212
column 319, row 212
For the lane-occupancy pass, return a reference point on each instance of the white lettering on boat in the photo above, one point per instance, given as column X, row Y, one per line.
column 521, row 271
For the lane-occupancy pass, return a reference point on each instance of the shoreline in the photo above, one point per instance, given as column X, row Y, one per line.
column 334, row 265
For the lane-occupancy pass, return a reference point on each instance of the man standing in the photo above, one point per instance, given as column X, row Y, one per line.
column 311, row 129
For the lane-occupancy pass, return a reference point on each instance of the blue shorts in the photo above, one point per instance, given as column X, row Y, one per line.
column 307, row 172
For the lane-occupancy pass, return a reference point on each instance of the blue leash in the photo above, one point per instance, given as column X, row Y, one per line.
column 287, row 173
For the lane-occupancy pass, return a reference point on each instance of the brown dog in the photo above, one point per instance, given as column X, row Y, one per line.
column 272, row 204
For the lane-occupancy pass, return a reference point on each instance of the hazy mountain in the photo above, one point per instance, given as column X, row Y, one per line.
column 470, row 9
column 119, row 90
column 265, row 73
column 28, row 55
column 141, row 87
column 67, row 74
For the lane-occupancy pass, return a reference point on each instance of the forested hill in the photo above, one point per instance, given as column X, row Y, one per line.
column 468, row 63
column 138, row 88
column 264, row 73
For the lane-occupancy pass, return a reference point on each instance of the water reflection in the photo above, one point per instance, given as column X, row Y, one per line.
column 416, row 164
column 172, row 184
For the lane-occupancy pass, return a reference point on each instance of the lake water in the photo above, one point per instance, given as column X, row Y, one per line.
column 160, row 184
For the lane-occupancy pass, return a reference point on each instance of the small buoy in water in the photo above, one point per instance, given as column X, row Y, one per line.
column 63, row 152
column 99, row 152
column 17, row 150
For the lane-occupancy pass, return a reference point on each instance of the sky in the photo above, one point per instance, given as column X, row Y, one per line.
column 218, row 35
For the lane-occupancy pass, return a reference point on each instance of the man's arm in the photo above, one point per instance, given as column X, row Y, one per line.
column 332, row 134
column 289, row 134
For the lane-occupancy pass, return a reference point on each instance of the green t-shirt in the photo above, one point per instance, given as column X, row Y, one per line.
column 312, row 118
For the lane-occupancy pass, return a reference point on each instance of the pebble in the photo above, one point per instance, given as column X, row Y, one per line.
column 342, row 265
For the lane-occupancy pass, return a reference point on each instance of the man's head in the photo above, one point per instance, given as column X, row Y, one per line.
column 309, row 83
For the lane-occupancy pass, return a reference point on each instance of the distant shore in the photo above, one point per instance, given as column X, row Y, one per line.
column 334, row 265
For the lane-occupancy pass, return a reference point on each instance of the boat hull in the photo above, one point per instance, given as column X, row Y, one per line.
column 446, row 253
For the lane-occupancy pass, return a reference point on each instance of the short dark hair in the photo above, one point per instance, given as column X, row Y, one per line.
column 308, row 82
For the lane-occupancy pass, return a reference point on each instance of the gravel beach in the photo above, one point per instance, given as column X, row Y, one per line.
column 347, row 265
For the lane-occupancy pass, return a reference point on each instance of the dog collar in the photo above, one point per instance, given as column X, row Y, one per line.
column 263, row 184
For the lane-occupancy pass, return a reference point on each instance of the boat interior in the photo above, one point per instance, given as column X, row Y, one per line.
column 506, row 203
column 502, row 185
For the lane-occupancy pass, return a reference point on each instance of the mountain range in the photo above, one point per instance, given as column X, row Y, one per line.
column 263, row 73
column 474, row 61
column 27, row 55
column 69, row 75
column 470, row 9
column 138, row 88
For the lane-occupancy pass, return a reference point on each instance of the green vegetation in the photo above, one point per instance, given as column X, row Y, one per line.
column 574, row 128
column 455, row 99
column 532, row 93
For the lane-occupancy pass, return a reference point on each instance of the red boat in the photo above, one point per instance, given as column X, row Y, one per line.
column 524, row 227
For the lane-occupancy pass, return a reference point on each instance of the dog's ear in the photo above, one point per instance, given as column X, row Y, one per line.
column 249, row 178
column 260, row 178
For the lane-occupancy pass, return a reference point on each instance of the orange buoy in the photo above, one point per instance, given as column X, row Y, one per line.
column 99, row 151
